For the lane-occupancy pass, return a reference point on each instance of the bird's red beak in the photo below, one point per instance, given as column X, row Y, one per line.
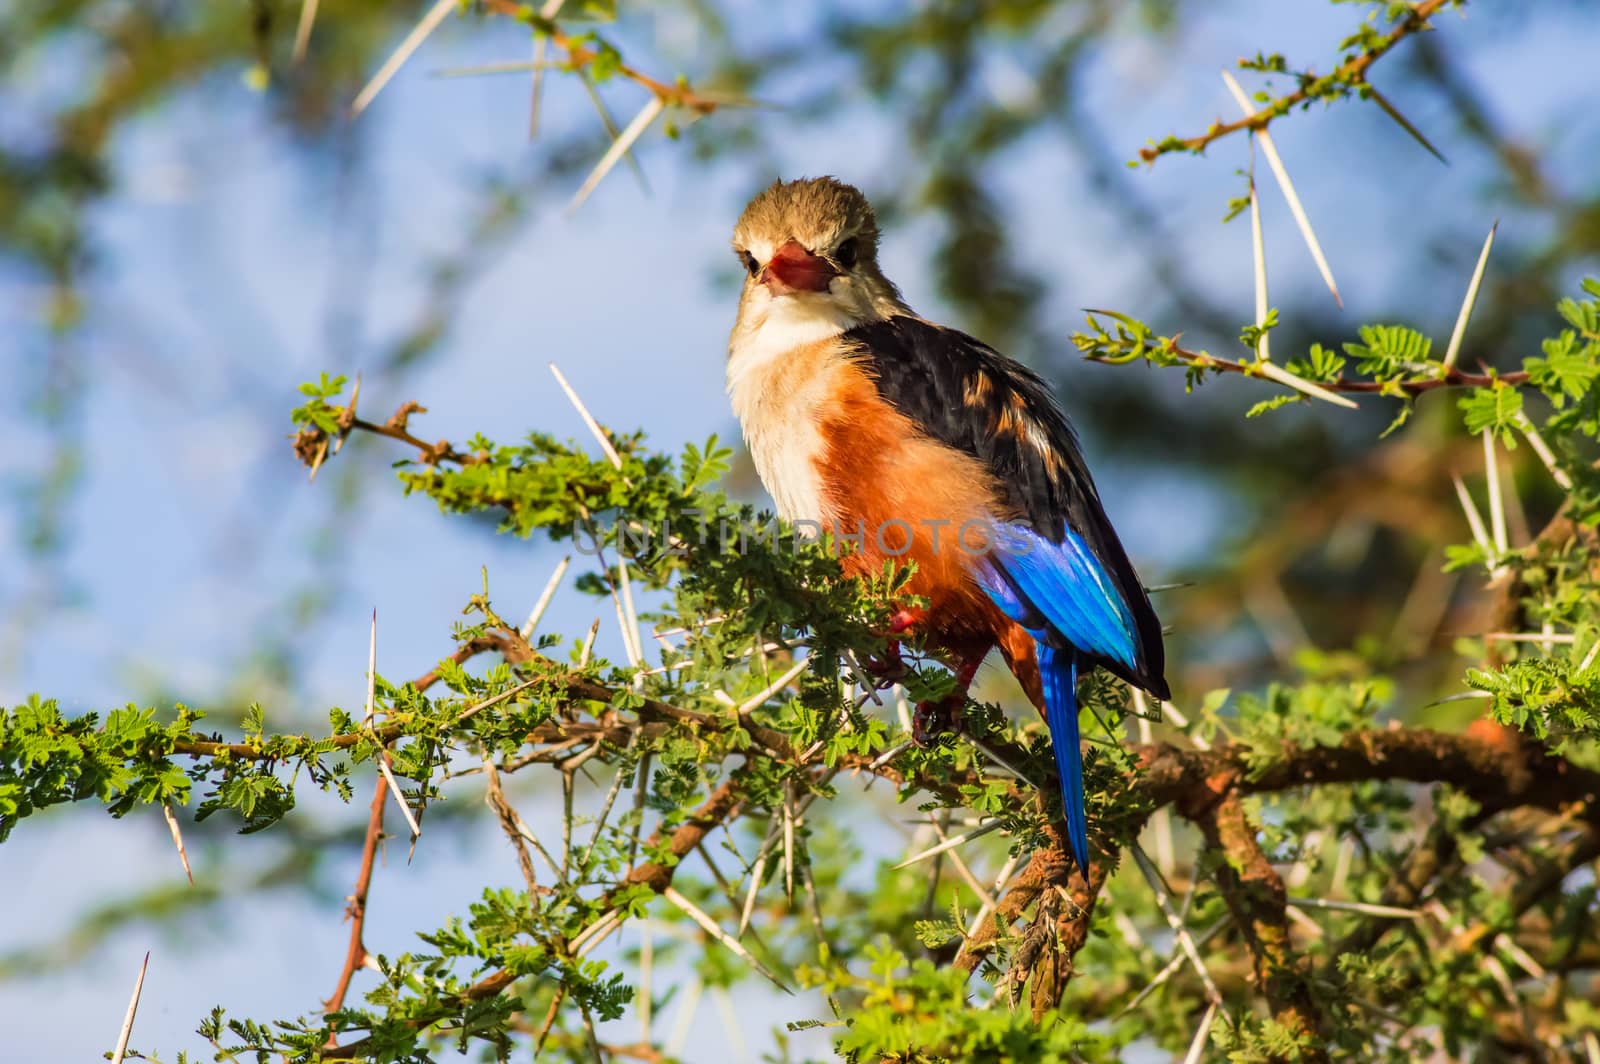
column 794, row 269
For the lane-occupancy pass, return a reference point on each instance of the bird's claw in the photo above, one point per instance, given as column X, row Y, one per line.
column 888, row 668
column 937, row 720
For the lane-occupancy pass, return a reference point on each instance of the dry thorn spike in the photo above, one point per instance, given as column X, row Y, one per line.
column 133, row 1008
column 1365, row 908
column 1454, row 349
column 1497, row 509
column 771, row 689
column 714, row 930
column 1178, row 960
column 788, row 841
column 537, row 613
column 551, row 9
column 348, row 418
column 1588, row 659
column 413, row 40
column 595, row 933
column 177, row 839
column 588, row 419
column 680, row 1026
column 399, row 797
column 1186, row 940
column 899, row 748
column 594, row 1037
column 383, row 753
column 816, row 907
column 610, row 800
column 641, row 122
column 630, row 617
column 302, row 30
column 533, row 840
column 1000, row 882
column 756, row 872
column 588, row 644
column 1542, row 449
column 622, row 628
column 647, row 955
column 986, row 899
column 1270, row 150
column 1161, row 822
column 611, row 129
column 1480, row 534
column 1529, row 637
column 730, row 1022
column 1197, row 1047
column 1404, row 123
column 1259, row 253
column 1273, row 371
column 951, row 843
column 478, row 707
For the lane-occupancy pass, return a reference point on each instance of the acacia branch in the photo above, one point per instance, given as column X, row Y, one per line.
column 720, row 806
column 1453, row 377
column 1352, row 72
column 580, row 57
column 1256, row 898
column 356, row 953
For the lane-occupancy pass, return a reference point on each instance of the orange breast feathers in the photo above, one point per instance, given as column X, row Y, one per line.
column 904, row 496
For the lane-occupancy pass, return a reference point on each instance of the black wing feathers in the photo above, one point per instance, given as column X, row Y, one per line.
column 970, row 397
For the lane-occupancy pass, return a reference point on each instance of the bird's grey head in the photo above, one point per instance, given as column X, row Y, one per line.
column 809, row 250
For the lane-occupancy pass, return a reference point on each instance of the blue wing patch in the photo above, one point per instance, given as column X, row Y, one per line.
column 1058, row 587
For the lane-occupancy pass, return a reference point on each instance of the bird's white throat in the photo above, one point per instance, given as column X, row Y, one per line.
column 788, row 322
column 777, row 385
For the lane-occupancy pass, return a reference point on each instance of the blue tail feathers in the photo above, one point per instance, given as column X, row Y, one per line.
column 1059, row 670
column 1061, row 595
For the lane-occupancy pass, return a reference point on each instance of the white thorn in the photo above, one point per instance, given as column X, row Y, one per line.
column 951, row 843
column 544, row 598
column 619, row 147
column 1465, row 313
column 419, row 33
column 773, row 688
column 177, row 839
column 133, row 1008
column 1542, row 449
column 1270, row 150
column 1197, row 1047
column 715, row 931
column 1365, row 908
column 302, row 31
column 1497, row 509
column 1259, row 252
column 588, row 419
column 1480, row 535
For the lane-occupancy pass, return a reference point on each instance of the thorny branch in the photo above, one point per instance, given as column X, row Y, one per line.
column 356, row 954
column 1206, row 787
column 1350, row 73
column 1452, row 378
column 1258, row 902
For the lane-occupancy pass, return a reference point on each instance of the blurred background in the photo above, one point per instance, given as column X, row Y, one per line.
column 191, row 224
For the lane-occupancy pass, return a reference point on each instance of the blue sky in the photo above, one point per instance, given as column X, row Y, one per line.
column 220, row 259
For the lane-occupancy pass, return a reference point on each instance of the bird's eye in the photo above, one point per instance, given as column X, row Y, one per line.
column 751, row 266
column 845, row 253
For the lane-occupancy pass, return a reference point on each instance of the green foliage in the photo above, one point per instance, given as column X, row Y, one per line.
column 737, row 791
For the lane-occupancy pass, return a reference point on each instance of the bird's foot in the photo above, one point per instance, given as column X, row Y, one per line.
column 938, row 719
column 889, row 668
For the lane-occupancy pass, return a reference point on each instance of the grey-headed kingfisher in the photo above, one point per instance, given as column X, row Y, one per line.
column 863, row 417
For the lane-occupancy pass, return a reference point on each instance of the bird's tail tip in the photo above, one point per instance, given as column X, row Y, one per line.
column 1059, row 669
